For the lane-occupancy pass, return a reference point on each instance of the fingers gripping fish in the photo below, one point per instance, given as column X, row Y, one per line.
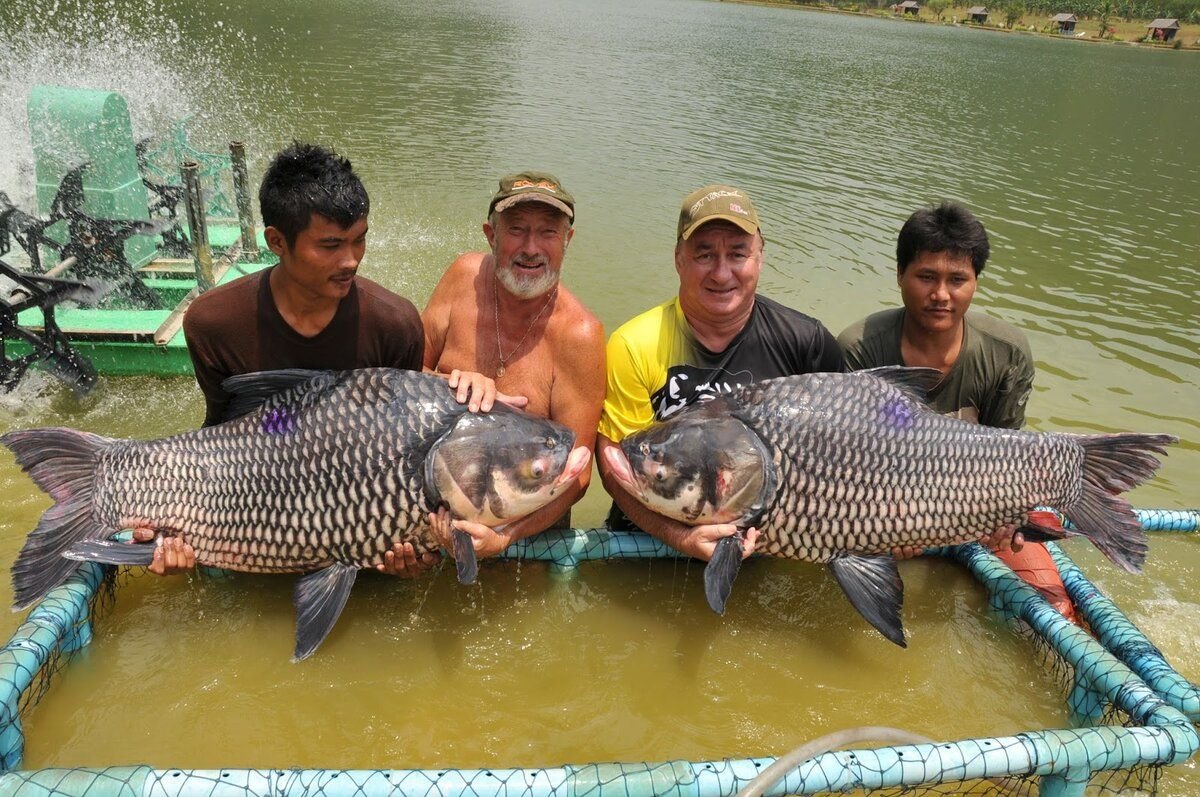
column 315, row 472
column 841, row 468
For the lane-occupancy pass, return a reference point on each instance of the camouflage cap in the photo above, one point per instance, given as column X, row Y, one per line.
column 532, row 187
column 713, row 202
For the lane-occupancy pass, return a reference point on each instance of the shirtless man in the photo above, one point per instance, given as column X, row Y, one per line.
column 504, row 313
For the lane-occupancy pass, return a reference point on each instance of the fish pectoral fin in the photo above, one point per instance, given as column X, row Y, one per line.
column 721, row 571
column 465, row 561
column 873, row 585
column 319, row 599
column 110, row 552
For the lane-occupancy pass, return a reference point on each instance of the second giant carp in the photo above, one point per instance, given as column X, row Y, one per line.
column 841, row 468
column 319, row 473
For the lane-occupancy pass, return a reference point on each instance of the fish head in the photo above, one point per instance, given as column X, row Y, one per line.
column 496, row 467
column 699, row 467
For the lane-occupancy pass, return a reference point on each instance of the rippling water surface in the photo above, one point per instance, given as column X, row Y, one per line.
column 1081, row 161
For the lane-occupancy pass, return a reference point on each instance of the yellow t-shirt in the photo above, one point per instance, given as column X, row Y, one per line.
column 656, row 367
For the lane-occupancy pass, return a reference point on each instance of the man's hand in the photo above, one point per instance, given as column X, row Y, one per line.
column 402, row 561
column 172, row 555
column 486, row 540
column 478, row 392
column 702, row 540
column 1005, row 538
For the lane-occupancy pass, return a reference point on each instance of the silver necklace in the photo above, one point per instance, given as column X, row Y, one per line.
column 496, row 308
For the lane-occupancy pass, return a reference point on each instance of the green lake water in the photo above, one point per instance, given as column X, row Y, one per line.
column 1081, row 161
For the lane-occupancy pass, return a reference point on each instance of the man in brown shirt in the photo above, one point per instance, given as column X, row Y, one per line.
column 311, row 310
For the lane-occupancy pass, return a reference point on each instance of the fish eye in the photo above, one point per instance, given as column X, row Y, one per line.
column 645, row 449
column 549, row 442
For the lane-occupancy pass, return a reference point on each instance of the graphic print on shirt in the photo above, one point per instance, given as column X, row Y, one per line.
column 688, row 384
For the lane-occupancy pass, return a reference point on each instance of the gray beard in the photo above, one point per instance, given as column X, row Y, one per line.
column 526, row 287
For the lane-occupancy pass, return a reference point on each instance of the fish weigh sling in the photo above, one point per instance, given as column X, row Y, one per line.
column 319, row 471
column 841, row 468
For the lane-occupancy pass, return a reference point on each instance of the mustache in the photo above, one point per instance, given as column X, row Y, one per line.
column 536, row 260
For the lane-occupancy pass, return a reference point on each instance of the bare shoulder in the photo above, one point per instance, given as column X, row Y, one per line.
column 463, row 270
column 578, row 333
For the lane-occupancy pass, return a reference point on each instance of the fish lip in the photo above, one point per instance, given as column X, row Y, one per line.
column 575, row 465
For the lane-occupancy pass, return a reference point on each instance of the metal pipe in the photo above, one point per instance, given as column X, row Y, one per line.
column 197, row 225
column 241, row 190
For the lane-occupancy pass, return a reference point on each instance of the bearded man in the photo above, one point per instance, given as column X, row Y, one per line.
column 505, row 314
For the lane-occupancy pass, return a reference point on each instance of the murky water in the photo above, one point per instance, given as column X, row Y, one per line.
column 1080, row 160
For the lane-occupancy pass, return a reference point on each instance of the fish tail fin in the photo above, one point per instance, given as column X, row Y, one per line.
column 63, row 463
column 1112, row 464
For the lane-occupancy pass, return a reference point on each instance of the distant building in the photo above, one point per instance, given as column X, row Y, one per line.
column 908, row 7
column 978, row 14
column 1065, row 23
column 1162, row 30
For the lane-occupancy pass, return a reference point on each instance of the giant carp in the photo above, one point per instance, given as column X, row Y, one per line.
column 315, row 472
column 842, row 468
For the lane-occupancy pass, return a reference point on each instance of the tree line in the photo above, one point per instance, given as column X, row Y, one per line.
column 1186, row 11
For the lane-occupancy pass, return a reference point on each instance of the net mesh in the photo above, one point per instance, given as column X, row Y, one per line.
column 1127, row 729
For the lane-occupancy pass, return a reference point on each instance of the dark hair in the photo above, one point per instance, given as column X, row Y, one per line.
column 305, row 179
column 948, row 227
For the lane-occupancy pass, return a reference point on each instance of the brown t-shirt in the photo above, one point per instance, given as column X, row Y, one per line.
column 236, row 329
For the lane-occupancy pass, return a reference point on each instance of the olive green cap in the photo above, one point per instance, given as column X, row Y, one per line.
column 532, row 187
column 713, row 202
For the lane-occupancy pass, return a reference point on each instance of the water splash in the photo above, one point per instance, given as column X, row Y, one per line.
column 167, row 64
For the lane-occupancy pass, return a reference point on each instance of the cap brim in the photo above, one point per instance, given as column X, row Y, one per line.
column 739, row 221
column 557, row 204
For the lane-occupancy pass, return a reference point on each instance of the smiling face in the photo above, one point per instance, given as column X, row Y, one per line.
column 937, row 288
column 718, row 267
column 528, row 242
column 325, row 256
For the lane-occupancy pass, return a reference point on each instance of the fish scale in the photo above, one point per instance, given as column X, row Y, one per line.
column 842, row 468
column 964, row 482
column 322, row 472
column 241, row 460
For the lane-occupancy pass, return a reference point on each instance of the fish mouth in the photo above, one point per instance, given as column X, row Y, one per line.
column 578, row 460
column 621, row 470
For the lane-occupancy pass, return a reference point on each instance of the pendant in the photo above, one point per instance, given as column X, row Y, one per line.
column 500, row 372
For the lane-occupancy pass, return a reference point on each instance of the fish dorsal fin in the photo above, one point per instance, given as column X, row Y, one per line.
column 916, row 382
column 873, row 585
column 320, row 598
column 251, row 391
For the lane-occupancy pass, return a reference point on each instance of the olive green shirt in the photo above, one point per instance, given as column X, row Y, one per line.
column 989, row 383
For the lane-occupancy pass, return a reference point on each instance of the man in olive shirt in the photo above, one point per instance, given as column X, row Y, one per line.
column 986, row 363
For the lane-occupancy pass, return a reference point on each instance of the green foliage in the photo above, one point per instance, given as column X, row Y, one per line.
column 1012, row 9
column 937, row 7
column 1187, row 11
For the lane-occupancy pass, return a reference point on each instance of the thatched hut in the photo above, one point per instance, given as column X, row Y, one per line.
column 1065, row 23
column 1162, row 30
